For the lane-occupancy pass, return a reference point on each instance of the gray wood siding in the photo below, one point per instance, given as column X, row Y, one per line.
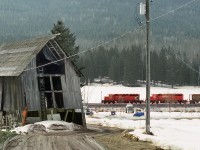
column 12, row 94
column 71, row 88
column 30, row 86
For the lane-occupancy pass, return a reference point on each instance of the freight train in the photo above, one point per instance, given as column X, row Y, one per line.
column 122, row 98
column 155, row 98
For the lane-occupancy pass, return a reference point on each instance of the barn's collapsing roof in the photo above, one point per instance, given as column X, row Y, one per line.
column 16, row 56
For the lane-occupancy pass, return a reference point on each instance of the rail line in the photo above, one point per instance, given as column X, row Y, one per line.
column 143, row 105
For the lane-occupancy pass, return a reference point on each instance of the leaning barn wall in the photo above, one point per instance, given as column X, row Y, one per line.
column 12, row 95
column 71, row 88
column 21, row 90
column 30, row 86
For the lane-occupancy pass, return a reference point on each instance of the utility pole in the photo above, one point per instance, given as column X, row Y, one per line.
column 147, row 69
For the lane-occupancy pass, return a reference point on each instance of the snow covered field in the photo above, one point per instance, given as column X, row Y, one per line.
column 94, row 93
column 172, row 132
column 175, row 130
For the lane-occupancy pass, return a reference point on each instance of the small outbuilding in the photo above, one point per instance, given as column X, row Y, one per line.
column 37, row 74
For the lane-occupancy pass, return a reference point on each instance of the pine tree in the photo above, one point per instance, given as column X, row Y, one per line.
column 171, row 71
column 193, row 74
column 154, row 65
column 66, row 39
column 186, row 70
column 162, row 65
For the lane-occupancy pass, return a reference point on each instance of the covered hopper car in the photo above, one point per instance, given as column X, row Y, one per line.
column 194, row 98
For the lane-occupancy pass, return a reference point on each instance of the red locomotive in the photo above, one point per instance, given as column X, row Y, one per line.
column 167, row 98
column 155, row 98
column 122, row 98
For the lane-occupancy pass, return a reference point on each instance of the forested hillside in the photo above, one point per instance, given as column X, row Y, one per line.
column 96, row 21
column 128, row 66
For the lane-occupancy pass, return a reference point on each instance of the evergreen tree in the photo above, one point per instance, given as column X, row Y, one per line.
column 171, row 67
column 185, row 71
column 116, row 65
column 89, row 74
column 100, row 67
column 154, row 65
column 180, row 72
column 194, row 75
column 162, row 65
column 66, row 39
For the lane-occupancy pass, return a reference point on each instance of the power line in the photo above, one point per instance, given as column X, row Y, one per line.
column 105, row 43
column 189, row 66
column 171, row 11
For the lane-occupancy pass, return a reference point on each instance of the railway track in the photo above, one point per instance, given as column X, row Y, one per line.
column 122, row 105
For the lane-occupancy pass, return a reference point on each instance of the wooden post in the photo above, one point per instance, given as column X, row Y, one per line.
column 73, row 115
column 66, row 115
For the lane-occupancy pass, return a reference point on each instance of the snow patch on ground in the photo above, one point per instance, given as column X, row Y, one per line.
column 46, row 126
column 172, row 132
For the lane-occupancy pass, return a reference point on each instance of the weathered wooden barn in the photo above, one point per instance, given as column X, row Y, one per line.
column 22, row 66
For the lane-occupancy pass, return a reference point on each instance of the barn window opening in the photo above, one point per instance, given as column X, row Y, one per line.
column 51, row 74
column 53, row 91
column 48, row 56
column 47, row 83
column 59, row 100
column 49, row 100
column 56, row 83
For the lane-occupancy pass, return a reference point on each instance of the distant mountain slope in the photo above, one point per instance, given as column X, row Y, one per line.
column 95, row 21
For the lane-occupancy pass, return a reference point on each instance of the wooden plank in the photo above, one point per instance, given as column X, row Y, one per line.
column 52, row 89
column 66, row 114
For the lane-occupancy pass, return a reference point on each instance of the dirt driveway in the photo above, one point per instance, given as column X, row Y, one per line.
column 95, row 138
column 53, row 141
column 115, row 139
